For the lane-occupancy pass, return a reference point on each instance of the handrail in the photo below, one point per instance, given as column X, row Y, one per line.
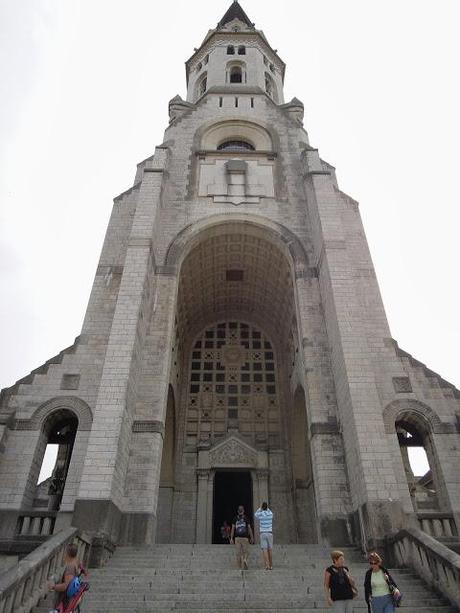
column 435, row 563
column 24, row 585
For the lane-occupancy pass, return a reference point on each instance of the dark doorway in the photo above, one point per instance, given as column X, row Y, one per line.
column 230, row 490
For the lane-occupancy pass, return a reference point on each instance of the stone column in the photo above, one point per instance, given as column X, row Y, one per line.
column 202, row 504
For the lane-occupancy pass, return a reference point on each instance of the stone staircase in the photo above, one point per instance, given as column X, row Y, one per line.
column 204, row 578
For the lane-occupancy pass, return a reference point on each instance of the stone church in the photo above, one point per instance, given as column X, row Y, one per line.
column 235, row 347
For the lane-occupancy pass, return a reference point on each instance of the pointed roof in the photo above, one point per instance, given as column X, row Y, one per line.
column 235, row 12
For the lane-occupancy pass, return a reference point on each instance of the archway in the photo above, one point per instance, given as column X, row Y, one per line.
column 235, row 308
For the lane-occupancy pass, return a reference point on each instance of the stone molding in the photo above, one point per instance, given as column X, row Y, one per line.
column 324, row 428
column 148, row 426
column 274, row 232
column 79, row 407
column 232, row 452
column 397, row 409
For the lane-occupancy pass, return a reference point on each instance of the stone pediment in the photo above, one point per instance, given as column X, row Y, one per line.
column 233, row 452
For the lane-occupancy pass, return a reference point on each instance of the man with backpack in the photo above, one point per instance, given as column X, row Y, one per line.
column 242, row 536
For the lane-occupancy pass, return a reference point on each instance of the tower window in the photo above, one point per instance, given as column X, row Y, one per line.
column 206, row 59
column 272, row 68
column 202, row 85
column 235, row 145
column 241, row 50
column 230, row 50
column 236, row 75
column 198, row 67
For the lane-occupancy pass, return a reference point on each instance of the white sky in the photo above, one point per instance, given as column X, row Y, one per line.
column 84, row 92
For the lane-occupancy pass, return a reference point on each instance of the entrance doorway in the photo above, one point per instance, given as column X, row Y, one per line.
column 231, row 488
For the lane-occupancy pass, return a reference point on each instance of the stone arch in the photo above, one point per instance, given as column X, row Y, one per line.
column 267, row 133
column 414, row 411
column 72, row 403
column 416, row 425
column 236, row 129
column 276, row 233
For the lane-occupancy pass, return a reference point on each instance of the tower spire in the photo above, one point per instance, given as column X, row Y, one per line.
column 235, row 11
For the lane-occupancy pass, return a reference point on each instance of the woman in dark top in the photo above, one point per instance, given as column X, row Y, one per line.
column 379, row 587
column 339, row 585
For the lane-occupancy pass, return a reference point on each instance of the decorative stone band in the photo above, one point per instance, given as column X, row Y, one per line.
column 324, row 428
column 148, row 426
column 316, row 172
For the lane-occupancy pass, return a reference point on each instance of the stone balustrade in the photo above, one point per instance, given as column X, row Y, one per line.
column 435, row 563
column 36, row 523
column 22, row 586
column 437, row 525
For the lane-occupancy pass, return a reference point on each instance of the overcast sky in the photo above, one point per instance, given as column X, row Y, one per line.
column 85, row 87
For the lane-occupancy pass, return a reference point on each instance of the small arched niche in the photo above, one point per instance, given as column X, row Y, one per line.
column 270, row 87
column 201, row 85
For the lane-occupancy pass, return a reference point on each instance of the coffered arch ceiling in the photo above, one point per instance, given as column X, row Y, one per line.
column 233, row 274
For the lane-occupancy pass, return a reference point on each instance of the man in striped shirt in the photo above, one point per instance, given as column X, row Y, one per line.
column 265, row 518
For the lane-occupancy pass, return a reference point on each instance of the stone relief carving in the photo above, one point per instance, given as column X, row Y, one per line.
column 233, row 451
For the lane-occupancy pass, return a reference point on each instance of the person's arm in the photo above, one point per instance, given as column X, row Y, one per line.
column 367, row 588
column 251, row 535
column 232, row 533
column 391, row 582
column 62, row 587
column 258, row 513
column 327, row 587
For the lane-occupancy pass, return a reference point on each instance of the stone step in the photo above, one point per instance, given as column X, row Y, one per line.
column 164, row 608
column 204, row 579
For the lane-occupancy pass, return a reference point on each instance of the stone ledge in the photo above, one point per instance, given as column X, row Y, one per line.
column 148, row 426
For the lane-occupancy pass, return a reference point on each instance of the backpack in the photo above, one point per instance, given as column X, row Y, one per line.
column 241, row 527
column 73, row 587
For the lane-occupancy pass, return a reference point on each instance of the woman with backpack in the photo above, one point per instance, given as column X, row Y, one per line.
column 70, row 582
column 339, row 585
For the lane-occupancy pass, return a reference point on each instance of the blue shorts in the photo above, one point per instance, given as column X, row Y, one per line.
column 266, row 540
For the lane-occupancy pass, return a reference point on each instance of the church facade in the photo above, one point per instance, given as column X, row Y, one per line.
column 235, row 347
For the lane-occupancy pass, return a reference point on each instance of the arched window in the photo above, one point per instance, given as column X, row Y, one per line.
column 236, row 75
column 198, row 67
column 59, row 433
column 233, row 381
column 202, row 85
column 235, row 145
column 268, row 85
column 419, row 463
column 241, row 50
column 230, row 50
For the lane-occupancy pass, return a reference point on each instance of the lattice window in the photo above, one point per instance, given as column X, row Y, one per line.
column 233, row 384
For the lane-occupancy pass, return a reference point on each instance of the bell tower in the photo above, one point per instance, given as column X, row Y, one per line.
column 235, row 327
column 235, row 58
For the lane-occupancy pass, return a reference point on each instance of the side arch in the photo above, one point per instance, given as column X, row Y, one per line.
column 418, row 411
column 73, row 403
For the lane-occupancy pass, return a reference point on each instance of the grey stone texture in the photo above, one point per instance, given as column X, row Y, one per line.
column 333, row 469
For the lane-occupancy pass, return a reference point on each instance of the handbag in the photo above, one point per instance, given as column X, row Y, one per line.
column 394, row 591
column 352, row 584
